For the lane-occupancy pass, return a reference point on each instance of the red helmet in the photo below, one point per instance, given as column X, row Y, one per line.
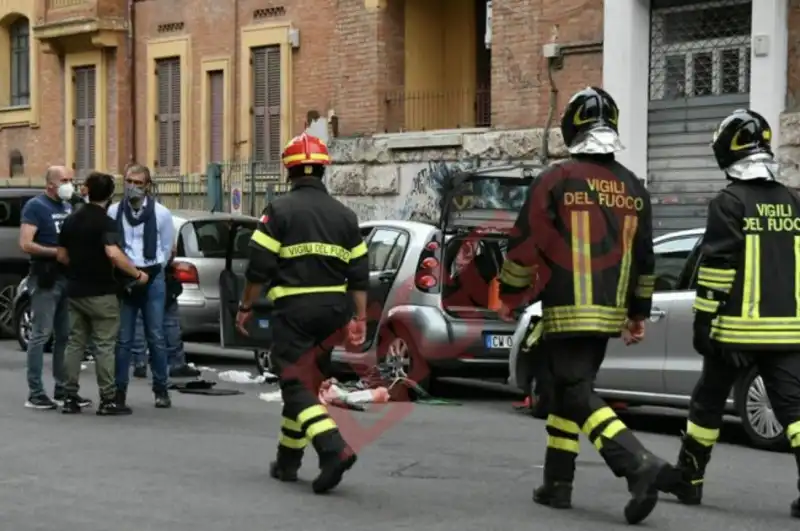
column 305, row 150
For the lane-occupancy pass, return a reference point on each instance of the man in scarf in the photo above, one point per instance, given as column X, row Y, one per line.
column 147, row 234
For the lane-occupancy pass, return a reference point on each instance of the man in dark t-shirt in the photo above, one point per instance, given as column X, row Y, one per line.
column 89, row 247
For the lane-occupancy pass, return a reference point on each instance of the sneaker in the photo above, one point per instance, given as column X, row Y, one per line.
column 40, row 402
column 163, row 401
column 70, row 406
column 184, row 371
column 60, row 397
column 109, row 408
column 140, row 372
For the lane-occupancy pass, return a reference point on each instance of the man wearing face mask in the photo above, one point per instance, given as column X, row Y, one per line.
column 41, row 222
column 147, row 234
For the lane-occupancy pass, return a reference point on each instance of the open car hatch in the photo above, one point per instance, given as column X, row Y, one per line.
column 490, row 198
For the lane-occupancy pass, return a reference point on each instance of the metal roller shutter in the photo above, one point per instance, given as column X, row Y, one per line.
column 699, row 73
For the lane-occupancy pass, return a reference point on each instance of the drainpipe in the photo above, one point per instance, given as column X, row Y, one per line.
column 236, row 81
column 132, row 76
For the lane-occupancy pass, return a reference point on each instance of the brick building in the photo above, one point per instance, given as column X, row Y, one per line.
column 176, row 84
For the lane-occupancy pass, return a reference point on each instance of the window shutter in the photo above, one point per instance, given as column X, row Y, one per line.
column 85, row 83
column 266, row 65
column 274, row 107
column 259, row 66
column 19, row 37
column 216, row 85
column 168, row 116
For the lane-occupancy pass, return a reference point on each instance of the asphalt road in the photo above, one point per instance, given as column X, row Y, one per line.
column 203, row 466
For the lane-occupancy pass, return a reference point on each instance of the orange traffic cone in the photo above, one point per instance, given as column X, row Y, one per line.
column 494, row 295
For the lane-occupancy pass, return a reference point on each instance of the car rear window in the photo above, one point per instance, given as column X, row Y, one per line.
column 210, row 238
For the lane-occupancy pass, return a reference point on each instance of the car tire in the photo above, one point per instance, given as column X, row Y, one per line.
column 8, row 291
column 755, row 412
column 23, row 308
column 397, row 349
column 263, row 363
column 540, row 408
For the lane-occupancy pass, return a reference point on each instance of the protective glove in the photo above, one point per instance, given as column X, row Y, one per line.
column 702, row 334
column 356, row 332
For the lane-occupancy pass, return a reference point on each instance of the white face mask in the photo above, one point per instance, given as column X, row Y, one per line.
column 65, row 191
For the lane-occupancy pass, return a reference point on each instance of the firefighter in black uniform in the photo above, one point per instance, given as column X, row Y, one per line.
column 309, row 251
column 747, row 307
column 586, row 230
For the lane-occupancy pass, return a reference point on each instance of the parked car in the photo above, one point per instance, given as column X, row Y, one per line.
column 664, row 368
column 13, row 262
column 202, row 243
column 420, row 328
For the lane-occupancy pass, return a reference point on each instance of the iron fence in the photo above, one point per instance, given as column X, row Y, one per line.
column 424, row 110
column 243, row 186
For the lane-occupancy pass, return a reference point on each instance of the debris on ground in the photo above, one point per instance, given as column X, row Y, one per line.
column 201, row 368
column 272, row 396
column 246, row 377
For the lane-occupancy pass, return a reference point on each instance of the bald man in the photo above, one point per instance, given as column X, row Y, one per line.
column 41, row 222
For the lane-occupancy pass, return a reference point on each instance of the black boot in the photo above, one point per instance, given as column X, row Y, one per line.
column 643, row 485
column 287, row 464
column 692, row 461
column 332, row 467
column 559, row 472
column 121, row 399
column 796, row 503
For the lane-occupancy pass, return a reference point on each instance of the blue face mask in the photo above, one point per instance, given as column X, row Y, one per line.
column 134, row 193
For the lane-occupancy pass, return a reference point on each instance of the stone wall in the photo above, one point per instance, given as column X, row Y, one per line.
column 789, row 150
column 390, row 176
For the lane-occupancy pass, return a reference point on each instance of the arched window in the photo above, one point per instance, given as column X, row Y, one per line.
column 16, row 163
column 19, row 37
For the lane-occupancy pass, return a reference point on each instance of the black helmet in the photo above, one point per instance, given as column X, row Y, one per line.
column 740, row 135
column 588, row 109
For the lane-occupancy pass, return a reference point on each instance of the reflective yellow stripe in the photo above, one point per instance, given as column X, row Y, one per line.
column 280, row 291
column 705, row 436
column 294, row 444
column 358, row 251
column 535, row 335
column 511, row 275
column 764, row 330
column 267, row 242
column 609, row 432
column 581, row 258
column 793, row 434
column 566, row 445
column 598, row 417
column 751, row 296
column 717, row 286
column 601, row 319
column 320, row 427
column 311, row 413
column 645, row 286
column 628, row 232
column 797, row 275
column 567, row 426
column 710, row 274
column 291, row 425
column 300, row 250
column 704, row 305
column 316, row 157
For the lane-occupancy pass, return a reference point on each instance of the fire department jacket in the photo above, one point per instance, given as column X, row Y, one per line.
column 748, row 276
column 308, row 248
column 586, row 230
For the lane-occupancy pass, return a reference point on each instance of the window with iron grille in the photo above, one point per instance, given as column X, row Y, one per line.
column 216, row 89
column 168, row 115
column 266, row 109
column 19, row 35
column 700, row 48
column 84, row 81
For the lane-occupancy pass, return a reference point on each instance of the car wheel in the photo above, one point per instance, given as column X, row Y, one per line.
column 540, row 400
column 399, row 358
column 758, row 418
column 8, row 290
column 22, row 323
column 263, row 363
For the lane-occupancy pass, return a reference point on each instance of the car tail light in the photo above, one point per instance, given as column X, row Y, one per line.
column 426, row 281
column 432, row 246
column 185, row 273
column 430, row 263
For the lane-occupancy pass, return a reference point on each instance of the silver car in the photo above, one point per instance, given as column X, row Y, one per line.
column 421, row 322
column 664, row 368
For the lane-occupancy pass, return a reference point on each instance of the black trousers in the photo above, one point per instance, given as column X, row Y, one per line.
column 302, row 342
column 573, row 364
column 781, row 375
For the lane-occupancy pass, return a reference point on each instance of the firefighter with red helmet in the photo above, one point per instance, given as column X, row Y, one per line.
column 308, row 254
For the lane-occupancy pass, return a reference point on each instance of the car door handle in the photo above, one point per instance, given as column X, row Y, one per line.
column 657, row 314
column 385, row 278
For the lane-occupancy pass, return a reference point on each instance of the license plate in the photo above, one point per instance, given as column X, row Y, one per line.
column 263, row 324
column 499, row 342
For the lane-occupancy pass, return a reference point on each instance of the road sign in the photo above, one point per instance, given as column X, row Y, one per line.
column 236, row 200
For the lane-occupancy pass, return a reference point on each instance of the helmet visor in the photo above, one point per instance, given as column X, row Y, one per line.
column 598, row 141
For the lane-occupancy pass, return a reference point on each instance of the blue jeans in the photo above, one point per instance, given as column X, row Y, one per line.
column 139, row 346
column 151, row 305
column 49, row 317
column 172, row 335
